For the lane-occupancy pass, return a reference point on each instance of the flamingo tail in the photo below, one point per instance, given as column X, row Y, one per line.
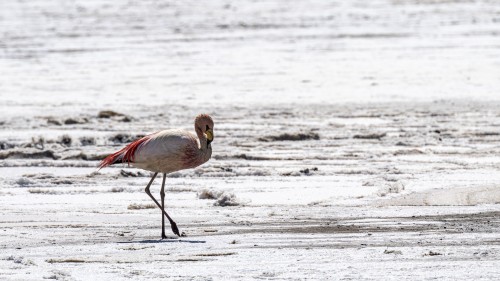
column 124, row 155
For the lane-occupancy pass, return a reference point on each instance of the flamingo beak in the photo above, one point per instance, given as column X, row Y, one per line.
column 210, row 135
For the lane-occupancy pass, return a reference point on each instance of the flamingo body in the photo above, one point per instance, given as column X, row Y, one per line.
column 170, row 151
column 166, row 151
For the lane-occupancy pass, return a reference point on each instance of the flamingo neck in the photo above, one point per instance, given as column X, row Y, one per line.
column 205, row 151
column 203, row 140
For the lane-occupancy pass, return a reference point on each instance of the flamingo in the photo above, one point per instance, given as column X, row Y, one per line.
column 165, row 152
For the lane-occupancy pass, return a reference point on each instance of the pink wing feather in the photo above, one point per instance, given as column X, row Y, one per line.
column 126, row 154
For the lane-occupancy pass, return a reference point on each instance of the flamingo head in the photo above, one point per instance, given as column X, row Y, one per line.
column 204, row 124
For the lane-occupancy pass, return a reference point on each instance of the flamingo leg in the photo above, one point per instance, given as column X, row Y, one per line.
column 162, row 195
column 172, row 223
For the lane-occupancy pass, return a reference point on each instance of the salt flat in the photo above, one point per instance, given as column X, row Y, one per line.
column 372, row 195
column 353, row 141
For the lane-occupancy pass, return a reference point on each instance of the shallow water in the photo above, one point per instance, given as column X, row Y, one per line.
column 80, row 55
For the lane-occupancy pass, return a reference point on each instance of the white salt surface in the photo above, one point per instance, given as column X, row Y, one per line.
column 394, row 172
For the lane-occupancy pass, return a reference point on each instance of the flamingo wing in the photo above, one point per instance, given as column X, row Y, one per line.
column 124, row 155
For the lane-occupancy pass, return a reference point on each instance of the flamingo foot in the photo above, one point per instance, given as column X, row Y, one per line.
column 174, row 228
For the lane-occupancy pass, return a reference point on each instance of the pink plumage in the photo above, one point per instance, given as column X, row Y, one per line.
column 124, row 155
